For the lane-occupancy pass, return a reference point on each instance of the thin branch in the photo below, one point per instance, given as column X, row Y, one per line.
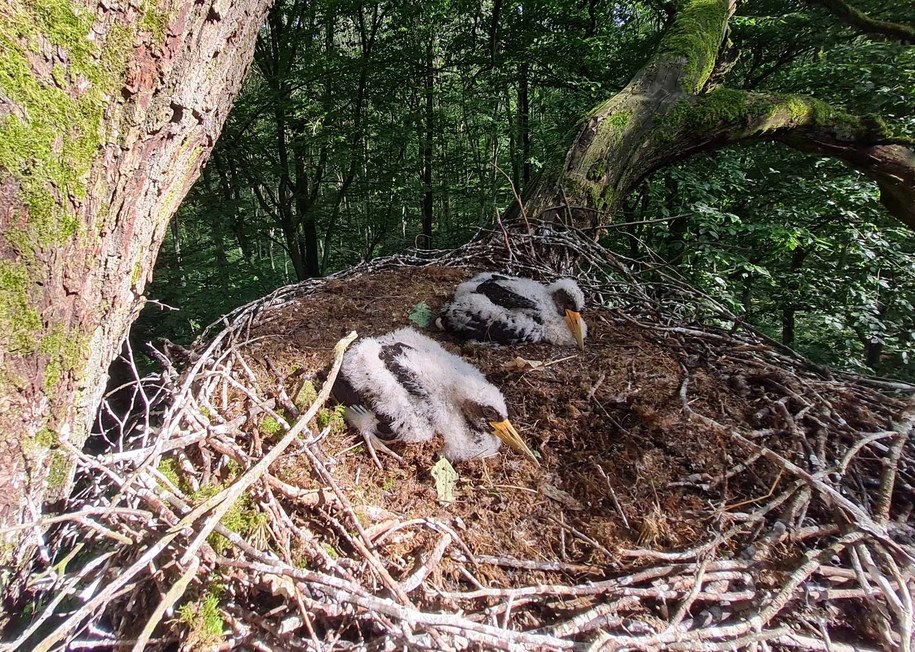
column 883, row 29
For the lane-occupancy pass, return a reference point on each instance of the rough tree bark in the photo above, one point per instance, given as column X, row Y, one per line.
column 663, row 116
column 107, row 112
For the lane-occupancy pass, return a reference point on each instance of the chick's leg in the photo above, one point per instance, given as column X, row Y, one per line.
column 366, row 423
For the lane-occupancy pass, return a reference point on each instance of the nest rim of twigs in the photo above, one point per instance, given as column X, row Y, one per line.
column 646, row 600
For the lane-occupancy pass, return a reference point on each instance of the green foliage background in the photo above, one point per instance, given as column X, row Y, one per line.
column 799, row 245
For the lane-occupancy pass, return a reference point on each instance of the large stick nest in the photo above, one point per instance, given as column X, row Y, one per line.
column 701, row 487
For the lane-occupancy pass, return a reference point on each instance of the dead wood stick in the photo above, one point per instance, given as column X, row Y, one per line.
column 421, row 573
column 861, row 518
column 173, row 595
column 689, row 600
column 904, row 428
column 223, row 501
column 220, row 504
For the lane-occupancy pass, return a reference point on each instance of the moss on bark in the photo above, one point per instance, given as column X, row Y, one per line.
column 744, row 114
column 57, row 77
column 695, row 36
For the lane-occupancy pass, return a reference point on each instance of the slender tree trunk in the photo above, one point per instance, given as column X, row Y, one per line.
column 304, row 201
column 228, row 180
column 873, row 352
column 429, row 132
column 97, row 158
column 176, row 245
column 512, row 130
column 524, row 123
column 790, row 284
column 788, row 323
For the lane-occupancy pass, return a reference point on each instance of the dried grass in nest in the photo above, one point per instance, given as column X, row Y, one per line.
column 754, row 501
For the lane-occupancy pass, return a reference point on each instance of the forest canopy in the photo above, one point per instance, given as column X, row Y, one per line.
column 367, row 128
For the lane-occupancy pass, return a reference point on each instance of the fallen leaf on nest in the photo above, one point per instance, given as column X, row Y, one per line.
column 445, row 479
column 280, row 586
column 563, row 498
column 521, row 364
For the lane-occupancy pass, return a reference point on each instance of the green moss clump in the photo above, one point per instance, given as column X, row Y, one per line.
column 271, row 427
column 602, row 200
column 46, row 438
column 332, row 417
column 243, row 517
column 168, row 466
column 761, row 113
column 154, row 21
column 65, row 350
column 597, row 170
column 719, row 106
column 306, row 396
column 48, row 144
column 49, row 147
column 136, row 273
column 58, row 469
column 609, row 135
column 233, row 469
column 20, row 323
column 203, row 621
column 617, row 122
column 696, row 35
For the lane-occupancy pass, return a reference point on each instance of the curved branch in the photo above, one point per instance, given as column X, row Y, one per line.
column 729, row 116
column 891, row 166
column 851, row 15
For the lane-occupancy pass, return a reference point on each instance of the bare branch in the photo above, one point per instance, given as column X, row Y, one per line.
column 851, row 15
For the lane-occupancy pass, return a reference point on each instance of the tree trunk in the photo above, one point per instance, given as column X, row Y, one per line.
column 788, row 325
column 106, row 116
column 524, row 123
column 426, row 177
column 790, row 285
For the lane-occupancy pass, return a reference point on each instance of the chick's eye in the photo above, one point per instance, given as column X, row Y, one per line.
column 491, row 414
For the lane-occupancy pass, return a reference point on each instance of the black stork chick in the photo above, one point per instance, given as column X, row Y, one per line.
column 405, row 387
column 509, row 310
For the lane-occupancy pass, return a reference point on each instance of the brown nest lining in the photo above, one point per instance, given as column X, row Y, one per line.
column 700, row 488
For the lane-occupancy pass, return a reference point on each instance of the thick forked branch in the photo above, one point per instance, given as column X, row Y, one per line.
column 662, row 117
column 891, row 166
column 599, row 162
column 856, row 18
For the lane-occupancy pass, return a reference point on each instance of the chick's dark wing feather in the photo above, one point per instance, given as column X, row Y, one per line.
column 390, row 355
column 505, row 297
column 475, row 327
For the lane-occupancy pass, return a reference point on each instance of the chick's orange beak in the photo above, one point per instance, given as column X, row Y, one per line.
column 505, row 431
column 573, row 321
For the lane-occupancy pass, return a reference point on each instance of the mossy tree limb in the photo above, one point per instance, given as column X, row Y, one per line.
column 726, row 117
column 662, row 116
column 597, row 168
column 107, row 112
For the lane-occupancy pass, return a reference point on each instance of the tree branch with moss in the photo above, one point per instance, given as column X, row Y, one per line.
column 662, row 116
column 726, row 116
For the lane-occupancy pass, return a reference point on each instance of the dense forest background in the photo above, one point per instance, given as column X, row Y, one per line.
column 367, row 128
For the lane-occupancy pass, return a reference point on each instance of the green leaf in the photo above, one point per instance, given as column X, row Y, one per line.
column 421, row 314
